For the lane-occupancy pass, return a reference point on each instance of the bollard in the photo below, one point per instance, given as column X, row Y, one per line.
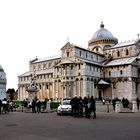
column 134, row 106
column 118, row 107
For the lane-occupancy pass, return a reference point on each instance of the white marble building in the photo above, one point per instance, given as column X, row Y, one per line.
column 2, row 83
column 105, row 69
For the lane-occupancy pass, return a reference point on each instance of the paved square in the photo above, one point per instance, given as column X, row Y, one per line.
column 49, row 126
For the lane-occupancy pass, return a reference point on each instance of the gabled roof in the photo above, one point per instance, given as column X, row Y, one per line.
column 46, row 59
column 45, row 71
column 92, row 62
column 67, row 62
column 122, row 61
column 68, row 44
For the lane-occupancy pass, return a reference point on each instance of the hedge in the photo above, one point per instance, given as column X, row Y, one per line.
column 19, row 103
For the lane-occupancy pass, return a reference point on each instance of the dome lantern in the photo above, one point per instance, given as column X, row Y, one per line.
column 101, row 25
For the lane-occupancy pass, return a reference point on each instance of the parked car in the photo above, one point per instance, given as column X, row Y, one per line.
column 64, row 108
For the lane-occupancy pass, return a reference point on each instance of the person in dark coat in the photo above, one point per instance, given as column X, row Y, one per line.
column 85, row 104
column 72, row 106
column 76, row 103
column 0, row 105
column 114, row 104
column 138, row 103
column 123, row 102
column 45, row 104
column 80, row 107
column 5, row 105
column 92, row 107
column 38, row 104
column 33, row 106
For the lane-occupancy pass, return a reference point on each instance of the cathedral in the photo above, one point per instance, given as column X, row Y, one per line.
column 105, row 69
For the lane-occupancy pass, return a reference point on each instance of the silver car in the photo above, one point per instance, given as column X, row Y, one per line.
column 64, row 108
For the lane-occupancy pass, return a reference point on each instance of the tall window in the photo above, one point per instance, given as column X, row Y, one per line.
column 38, row 67
column 79, row 66
column 86, row 55
column 34, row 67
column 109, row 73
column 121, row 72
column 127, row 52
column 44, row 66
column 118, row 53
column 68, row 54
column 80, row 53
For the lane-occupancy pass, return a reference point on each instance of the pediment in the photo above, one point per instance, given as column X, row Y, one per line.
column 67, row 46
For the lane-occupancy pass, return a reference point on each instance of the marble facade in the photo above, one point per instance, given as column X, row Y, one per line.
column 105, row 69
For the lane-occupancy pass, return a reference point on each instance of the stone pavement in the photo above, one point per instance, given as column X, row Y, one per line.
column 49, row 126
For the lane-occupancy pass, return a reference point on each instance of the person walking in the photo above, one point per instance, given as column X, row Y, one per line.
column 33, row 106
column 0, row 105
column 5, row 105
column 72, row 106
column 76, row 103
column 38, row 104
column 138, row 103
column 85, row 104
column 92, row 107
column 114, row 104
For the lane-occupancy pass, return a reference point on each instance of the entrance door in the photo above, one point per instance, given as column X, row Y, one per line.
column 100, row 95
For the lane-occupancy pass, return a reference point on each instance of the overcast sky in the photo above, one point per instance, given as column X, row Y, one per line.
column 30, row 28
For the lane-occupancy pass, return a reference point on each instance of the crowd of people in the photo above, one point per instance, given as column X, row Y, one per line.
column 6, row 106
column 85, row 106
column 81, row 106
column 35, row 105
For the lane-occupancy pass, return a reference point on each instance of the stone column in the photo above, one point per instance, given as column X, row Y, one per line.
column 62, row 91
column 81, row 88
column 84, row 87
column 74, row 88
column 92, row 89
column 22, row 93
column 19, row 92
column 53, row 89
column 79, row 83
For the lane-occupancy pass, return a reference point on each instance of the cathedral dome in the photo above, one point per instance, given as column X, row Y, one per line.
column 103, row 34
